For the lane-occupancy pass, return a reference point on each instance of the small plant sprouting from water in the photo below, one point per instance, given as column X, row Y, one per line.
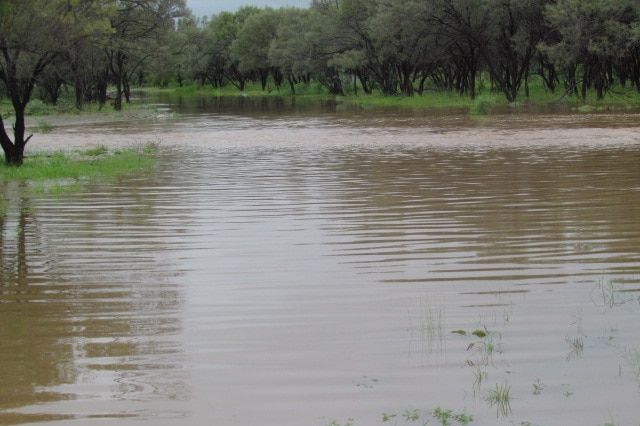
column 409, row 416
column 576, row 347
column 446, row 416
column 432, row 324
column 367, row 382
column 484, row 349
column 482, row 105
column 501, row 398
column 632, row 358
column 578, row 319
column 610, row 294
column 480, row 377
column 538, row 386
column 336, row 423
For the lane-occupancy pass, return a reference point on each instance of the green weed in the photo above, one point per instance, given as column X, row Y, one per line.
column 501, row 398
column 537, row 387
column 349, row 422
column 484, row 350
column 446, row 416
column 367, row 382
column 44, row 127
column 481, row 377
column 482, row 105
column 94, row 152
column 409, row 416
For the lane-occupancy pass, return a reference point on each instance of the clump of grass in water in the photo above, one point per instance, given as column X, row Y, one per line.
column 484, row 349
column 432, row 326
column 611, row 294
column 446, row 416
column 481, row 376
column 482, row 105
column 576, row 347
column 501, row 398
column 538, row 386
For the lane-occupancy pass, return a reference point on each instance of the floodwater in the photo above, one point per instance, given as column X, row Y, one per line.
column 287, row 264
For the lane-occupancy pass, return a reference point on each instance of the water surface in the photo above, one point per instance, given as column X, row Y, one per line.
column 297, row 266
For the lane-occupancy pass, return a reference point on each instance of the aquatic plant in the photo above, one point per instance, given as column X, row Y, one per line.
column 349, row 422
column 538, row 386
column 409, row 415
column 446, row 416
column 576, row 347
column 431, row 325
column 484, row 349
column 482, row 105
column 501, row 398
column 481, row 376
column 610, row 294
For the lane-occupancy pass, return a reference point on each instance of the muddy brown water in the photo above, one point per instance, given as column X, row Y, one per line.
column 292, row 265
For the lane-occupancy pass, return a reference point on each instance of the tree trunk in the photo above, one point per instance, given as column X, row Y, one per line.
column 14, row 151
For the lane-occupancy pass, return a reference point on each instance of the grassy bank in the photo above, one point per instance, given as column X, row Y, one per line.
column 63, row 172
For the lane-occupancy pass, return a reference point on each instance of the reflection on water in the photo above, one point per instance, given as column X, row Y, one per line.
column 311, row 269
column 89, row 304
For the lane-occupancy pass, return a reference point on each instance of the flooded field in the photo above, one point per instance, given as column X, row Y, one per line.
column 290, row 266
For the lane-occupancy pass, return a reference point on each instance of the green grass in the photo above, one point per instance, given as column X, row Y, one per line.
column 445, row 417
column 501, row 398
column 486, row 100
column 61, row 169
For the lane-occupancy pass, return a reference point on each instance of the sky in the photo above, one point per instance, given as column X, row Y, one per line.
column 209, row 7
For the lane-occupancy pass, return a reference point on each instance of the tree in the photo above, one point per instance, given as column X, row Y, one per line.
column 295, row 52
column 34, row 33
column 251, row 47
column 401, row 31
column 518, row 28
column 338, row 41
column 593, row 37
column 139, row 27
column 466, row 25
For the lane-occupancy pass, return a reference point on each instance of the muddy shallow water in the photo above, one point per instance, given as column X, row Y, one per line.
column 292, row 266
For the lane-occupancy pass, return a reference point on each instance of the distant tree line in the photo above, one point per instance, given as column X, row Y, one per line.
column 407, row 46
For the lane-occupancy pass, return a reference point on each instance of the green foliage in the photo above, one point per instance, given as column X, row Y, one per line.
column 410, row 415
column 501, row 398
column 538, row 386
column 482, row 105
column 479, row 333
column 445, row 417
column 37, row 107
column 349, row 422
